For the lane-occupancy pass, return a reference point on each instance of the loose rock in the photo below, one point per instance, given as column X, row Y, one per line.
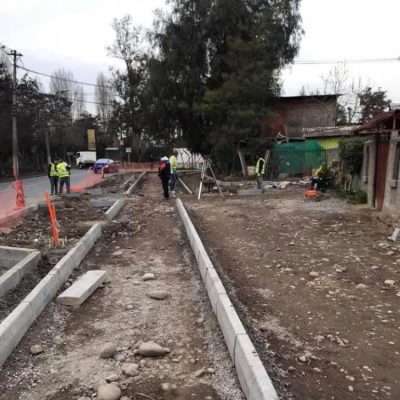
column 130, row 369
column 108, row 350
column 112, row 378
column 152, row 349
column 109, row 391
column 148, row 277
column 36, row 349
column 158, row 294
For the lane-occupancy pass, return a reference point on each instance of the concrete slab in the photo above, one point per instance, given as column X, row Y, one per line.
column 80, row 290
column 102, row 202
column 14, row 327
column 395, row 235
column 249, row 192
column 19, row 261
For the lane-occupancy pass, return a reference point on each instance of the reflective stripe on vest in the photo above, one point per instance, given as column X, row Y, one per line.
column 62, row 170
column 174, row 163
column 258, row 166
column 53, row 171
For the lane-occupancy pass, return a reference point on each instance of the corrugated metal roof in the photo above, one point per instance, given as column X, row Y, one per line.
column 380, row 122
column 334, row 131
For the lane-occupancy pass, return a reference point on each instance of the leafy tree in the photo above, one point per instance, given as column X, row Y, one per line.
column 372, row 103
column 222, row 61
column 351, row 156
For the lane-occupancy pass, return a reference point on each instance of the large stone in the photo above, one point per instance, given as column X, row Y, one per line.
column 110, row 391
column 130, row 369
column 149, row 277
column 36, row 349
column 152, row 349
column 108, row 350
column 158, row 294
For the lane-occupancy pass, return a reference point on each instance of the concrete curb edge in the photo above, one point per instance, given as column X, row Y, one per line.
column 134, row 184
column 114, row 209
column 252, row 375
column 17, row 323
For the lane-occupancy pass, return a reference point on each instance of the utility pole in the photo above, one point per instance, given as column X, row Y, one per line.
column 14, row 54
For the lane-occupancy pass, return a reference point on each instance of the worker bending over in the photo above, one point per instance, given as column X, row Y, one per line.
column 260, row 170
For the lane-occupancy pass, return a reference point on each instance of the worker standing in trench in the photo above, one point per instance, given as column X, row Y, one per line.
column 53, row 176
column 164, row 172
column 174, row 176
column 63, row 170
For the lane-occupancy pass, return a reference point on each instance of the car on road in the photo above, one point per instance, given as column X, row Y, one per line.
column 109, row 166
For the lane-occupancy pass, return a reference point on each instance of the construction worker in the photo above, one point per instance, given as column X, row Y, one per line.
column 164, row 172
column 53, row 176
column 260, row 170
column 174, row 176
column 63, row 170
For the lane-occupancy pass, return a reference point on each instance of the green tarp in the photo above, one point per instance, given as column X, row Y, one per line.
column 299, row 158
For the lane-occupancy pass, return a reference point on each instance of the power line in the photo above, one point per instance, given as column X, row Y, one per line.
column 349, row 61
column 62, row 79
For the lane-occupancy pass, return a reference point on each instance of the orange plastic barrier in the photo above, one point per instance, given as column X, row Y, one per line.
column 53, row 219
column 148, row 166
column 88, row 181
column 12, row 203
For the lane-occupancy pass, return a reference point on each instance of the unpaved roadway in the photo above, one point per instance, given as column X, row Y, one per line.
column 145, row 238
column 318, row 286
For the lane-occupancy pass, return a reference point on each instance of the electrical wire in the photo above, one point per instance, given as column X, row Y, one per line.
column 62, row 79
column 350, row 61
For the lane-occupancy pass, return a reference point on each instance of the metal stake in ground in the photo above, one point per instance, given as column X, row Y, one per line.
column 207, row 165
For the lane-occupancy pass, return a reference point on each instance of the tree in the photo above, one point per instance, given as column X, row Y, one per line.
column 104, row 97
column 351, row 156
column 61, row 84
column 222, row 62
column 373, row 102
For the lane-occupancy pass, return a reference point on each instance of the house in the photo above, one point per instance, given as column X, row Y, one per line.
column 292, row 114
column 328, row 138
column 380, row 170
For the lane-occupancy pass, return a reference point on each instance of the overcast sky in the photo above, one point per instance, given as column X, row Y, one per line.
column 74, row 33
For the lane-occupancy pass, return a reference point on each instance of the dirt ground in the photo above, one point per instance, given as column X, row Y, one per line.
column 317, row 285
column 145, row 238
column 74, row 215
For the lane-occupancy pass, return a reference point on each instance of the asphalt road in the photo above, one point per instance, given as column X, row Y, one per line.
column 35, row 187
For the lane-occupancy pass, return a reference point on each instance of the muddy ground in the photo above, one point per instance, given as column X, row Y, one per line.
column 145, row 238
column 317, row 285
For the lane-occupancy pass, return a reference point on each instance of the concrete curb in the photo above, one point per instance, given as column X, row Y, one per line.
column 14, row 327
column 133, row 186
column 186, row 187
column 112, row 212
column 11, row 278
column 252, row 375
column 127, row 181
